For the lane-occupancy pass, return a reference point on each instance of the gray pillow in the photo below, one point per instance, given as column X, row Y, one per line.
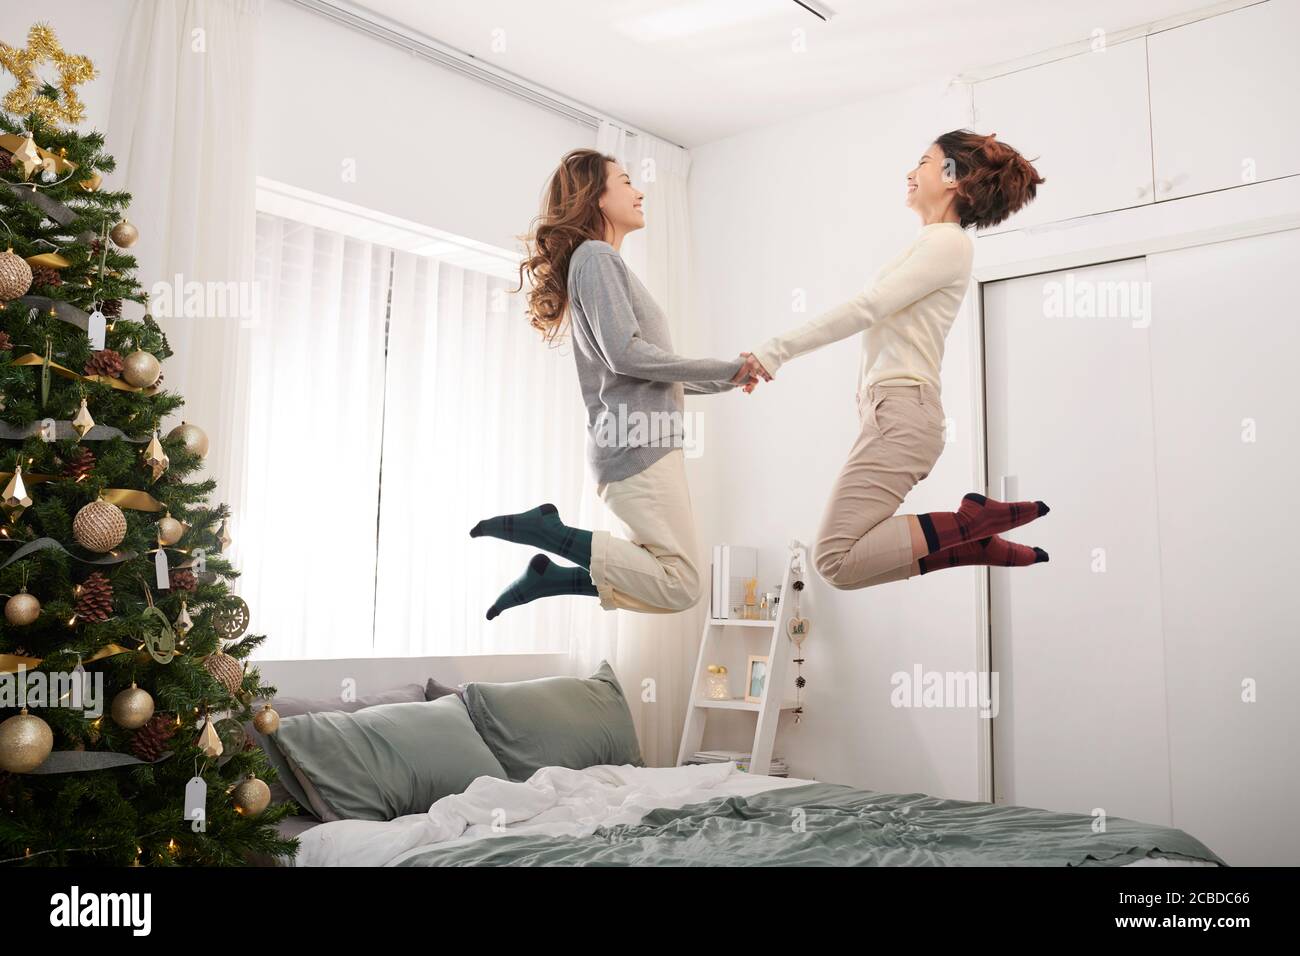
column 433, row 690
column 569, row 722
column 385, row 761
column 286, row 786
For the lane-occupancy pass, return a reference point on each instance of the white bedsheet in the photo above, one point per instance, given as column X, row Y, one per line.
column 555, row 801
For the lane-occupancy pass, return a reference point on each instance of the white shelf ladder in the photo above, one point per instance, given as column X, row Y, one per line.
column 781, row 651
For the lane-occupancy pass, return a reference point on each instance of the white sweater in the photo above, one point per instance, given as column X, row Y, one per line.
column 904, row 316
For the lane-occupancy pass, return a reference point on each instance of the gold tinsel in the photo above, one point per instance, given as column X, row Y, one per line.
column 43, row 46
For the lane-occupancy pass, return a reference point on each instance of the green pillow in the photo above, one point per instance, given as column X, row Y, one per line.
column 555, row 722
column 384, row 761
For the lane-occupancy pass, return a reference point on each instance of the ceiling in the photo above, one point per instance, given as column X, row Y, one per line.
column 694, row 71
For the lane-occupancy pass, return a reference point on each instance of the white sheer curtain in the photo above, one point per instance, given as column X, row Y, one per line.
column 313, row 434
column 482, row 418
column 654, row 648
column 185, row 86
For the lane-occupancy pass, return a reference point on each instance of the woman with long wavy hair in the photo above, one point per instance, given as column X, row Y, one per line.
column 963, row 179
column 632, row 384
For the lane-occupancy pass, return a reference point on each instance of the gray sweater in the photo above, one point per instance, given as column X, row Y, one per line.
column 632, row 382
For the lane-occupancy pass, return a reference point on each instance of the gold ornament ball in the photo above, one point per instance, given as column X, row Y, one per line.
column 141, row 369
column 15, row 276
column 267, row 720
column 194, row 438
column 251, row 796
column 99, row 526
column 132, row 708
column 170, row 531
column 226, row 670
column 22, row 609
column 25, row 742
column 124, row 234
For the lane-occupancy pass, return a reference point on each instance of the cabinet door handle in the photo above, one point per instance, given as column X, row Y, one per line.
column 1165, row 185
column 1143, row 190
column 1009, row 484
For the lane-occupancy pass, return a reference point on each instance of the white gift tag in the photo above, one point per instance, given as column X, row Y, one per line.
column 49, row 431
column 95, row 329
column 196, row 804
column 160, row 565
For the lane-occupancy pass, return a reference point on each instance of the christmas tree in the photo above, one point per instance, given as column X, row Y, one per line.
column 131, row 747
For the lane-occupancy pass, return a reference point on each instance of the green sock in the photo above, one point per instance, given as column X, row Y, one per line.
column 542, row 528
column 543, row 578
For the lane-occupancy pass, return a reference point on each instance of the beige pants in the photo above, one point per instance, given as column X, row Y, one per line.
column 862, row 542
column 654, row 570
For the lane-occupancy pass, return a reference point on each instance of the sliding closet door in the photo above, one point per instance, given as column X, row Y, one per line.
column 1225, row 346
column 1076, row 642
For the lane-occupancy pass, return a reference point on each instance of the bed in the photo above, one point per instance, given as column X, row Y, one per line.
column 716, row 815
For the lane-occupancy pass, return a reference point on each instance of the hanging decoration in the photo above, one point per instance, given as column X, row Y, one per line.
column 183, row 624
column 132, row 707
column 83, row 422
column 251, row 796
column 797, row 629
column 192, row 437
column 230, row 618
column 267, row 720
column 141, row 369
column 156, row 458
column 99, row 526
column 15, row 500
column 25, row 741
column 209, row 740
column 15, row 276
column 170, row 530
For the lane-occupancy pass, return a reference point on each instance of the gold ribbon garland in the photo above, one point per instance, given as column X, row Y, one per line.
column 122, row 497
column 31, row 358
column 9, row 663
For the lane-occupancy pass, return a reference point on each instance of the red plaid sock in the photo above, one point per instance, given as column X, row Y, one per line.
column 978, row 517
column 992, row 550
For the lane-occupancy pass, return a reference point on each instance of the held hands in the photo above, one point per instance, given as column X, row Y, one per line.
column 751, row 373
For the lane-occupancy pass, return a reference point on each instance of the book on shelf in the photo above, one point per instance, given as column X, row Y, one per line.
column 733, row 565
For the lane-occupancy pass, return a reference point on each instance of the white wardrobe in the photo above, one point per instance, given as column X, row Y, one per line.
column 1149, row 669
column 1150, row 393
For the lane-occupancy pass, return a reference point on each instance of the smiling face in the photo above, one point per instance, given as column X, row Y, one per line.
column 931, row 183
column 621, row 201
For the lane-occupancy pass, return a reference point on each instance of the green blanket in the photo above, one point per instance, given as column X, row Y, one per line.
column 826, row 824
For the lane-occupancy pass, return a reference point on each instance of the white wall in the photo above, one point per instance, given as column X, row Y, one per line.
column 428, row 144
column 817, row 204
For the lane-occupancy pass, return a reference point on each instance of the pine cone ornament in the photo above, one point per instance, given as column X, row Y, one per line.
column 111, row 308
column 6, row 160
column 105, row 362
column 44, row 275
column 95, row 599
column 150, row 741
column 95, row 246
column 5, row 344
column 183, row 579
column 79, row 465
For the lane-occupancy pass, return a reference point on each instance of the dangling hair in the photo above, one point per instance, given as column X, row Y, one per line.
column 993, row 179
column 570, row 215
